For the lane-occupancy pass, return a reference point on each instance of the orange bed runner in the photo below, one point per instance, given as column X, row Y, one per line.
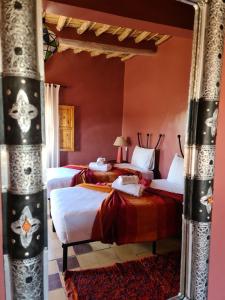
column 124, row 219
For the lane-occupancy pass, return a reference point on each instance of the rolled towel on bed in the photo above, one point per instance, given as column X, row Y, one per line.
column 101, row 160
column 132, row 189
column 128, row 179
column 96, row 167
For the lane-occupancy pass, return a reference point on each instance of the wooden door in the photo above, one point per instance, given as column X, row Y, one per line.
column 66, row 127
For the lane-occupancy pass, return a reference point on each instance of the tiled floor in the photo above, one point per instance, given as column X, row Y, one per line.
column 94, row 255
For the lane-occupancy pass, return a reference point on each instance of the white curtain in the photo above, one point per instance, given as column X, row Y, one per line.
column 52, row 124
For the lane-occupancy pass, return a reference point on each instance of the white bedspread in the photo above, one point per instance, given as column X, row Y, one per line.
column 145, row 174
column 59, row 178
column 165, row 185
column 73, row 212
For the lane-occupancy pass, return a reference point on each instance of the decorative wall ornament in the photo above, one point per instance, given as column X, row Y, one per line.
column 27, row 278
column 205, row 162
column 25, row 227
column 207, row 200
column 212, row 122
column 25, row 163
column 23, row 111
column 22, row 126
column 200, row 260
column 19, row 47
column 207, row 54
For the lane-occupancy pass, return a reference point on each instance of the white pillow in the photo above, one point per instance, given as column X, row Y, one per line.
column 176, row 171
column 143, row 158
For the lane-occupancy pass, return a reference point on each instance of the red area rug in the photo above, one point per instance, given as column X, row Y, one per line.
column 151, row 278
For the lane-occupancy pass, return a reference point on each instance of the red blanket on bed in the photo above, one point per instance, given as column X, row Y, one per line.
column 80, row 177
column 109, row 176
column 124, row 219
column 90, row 176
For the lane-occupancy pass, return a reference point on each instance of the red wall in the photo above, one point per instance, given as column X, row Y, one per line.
column 95, row 87
column 217, row 251
column 156, row 97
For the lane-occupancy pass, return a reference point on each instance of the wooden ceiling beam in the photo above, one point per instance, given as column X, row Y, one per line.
column 96, row 53
column 128, row 56
column 116, row 30
column 124, row 34
column 152, row 36
column 140, row 37
column 61, row 22
column 94, row 46
column 107, row 39
column 163, row 39
column 102, row 29
column 83, row 27
column 113, row 54
column 171, row 14
column 77, row 50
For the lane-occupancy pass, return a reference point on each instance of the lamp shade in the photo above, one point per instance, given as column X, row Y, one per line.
column 120, row 141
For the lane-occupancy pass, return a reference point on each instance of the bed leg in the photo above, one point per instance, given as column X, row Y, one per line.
column 49, row 207
column 154, row 247
column 65, row 253
column 53, row 227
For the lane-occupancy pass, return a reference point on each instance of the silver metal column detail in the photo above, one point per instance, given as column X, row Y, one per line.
column 207, row 54
column 200, row 260
column 21, row 144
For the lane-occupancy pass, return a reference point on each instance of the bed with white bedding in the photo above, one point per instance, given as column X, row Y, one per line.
column 73, row 212
column 58, row 178
column 143, row 161
column 74, row 209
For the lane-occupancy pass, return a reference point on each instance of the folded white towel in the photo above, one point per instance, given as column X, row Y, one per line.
column 128, row 179
column 96, row 167
column 132, row 189
column 101, row 160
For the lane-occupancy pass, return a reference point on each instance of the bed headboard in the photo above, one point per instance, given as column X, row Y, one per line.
column 156, row 171
column 179, row 141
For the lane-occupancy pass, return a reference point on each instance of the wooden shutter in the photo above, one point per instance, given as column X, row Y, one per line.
column 66, row 127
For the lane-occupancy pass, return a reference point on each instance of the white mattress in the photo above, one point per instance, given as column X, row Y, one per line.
column 73, row 212
column 145, row 174
column 165, row 185
column 59, row 178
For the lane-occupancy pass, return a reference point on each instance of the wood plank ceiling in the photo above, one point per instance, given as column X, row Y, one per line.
column 122, row 34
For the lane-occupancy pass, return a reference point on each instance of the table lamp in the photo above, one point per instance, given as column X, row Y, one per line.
column 120, row 142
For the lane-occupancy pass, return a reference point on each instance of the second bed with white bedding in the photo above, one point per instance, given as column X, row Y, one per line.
column 147, row 174
column 74, row 210
column 59, row 178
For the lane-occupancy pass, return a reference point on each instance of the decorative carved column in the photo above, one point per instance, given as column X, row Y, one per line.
column 208, row 42
column 22, row 136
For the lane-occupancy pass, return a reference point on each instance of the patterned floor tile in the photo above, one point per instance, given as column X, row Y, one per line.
column 54, row 282
column 58, row 294
column 82, row 249
column 99, row 246
column 72, row 263
column 124, row 253
column 106, row 257
column 140, row 247
column 52, row 267
column 88, row 260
